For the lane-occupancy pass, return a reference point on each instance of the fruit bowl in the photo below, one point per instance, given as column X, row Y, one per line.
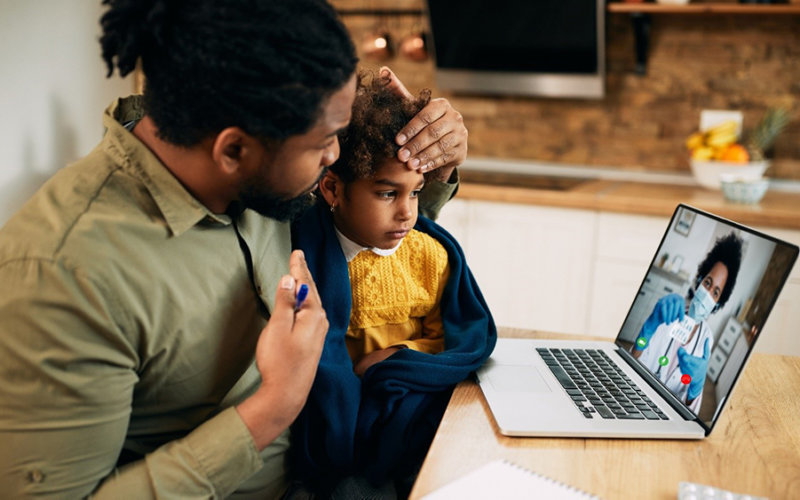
column 708, row 172
column 738, row 190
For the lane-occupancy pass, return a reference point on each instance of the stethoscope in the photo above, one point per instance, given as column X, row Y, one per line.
column 694, row 349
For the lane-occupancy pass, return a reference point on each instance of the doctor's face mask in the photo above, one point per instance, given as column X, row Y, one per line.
column 708, row 292
column 702, row 304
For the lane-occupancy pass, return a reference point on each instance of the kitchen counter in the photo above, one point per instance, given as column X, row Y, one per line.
column 618, row 191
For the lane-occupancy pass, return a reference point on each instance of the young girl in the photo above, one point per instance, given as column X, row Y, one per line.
column 407, row 320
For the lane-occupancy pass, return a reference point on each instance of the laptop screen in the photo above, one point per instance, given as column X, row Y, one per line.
column 703, row 304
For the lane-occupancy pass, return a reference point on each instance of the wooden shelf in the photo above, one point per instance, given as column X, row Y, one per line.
column 641, row 17
column 380, row 12
column 703, row 8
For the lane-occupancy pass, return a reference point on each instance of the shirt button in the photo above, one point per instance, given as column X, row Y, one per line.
column 36, row 476
column 258, row 289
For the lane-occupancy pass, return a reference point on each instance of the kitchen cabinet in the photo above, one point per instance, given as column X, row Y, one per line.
column 625, row 246
column 533, row 264
column 723, row 348
column 577, row 271
column 715, row 364
column 730, row 369
column 729, row 336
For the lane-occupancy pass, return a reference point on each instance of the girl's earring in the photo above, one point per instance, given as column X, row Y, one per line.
column 333, row 207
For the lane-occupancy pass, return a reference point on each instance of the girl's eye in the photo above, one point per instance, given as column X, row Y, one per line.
column 415, row 193
column 327, row 145
column 387, row 194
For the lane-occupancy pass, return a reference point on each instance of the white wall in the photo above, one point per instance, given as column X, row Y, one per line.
column 53, row 91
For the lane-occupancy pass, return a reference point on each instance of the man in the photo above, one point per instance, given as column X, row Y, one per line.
column 149, row 335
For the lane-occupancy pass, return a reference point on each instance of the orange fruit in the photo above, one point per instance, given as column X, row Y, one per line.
column 735, row 153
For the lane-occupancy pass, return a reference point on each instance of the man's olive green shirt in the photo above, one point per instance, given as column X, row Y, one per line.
column 128, row 325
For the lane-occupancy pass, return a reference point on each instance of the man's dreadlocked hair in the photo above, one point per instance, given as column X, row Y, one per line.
column 264, row 66
column 369, row 140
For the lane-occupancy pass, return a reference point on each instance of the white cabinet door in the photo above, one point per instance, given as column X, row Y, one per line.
column 625, row 247
column 533, row 264
column 454, row 217
column 613, row 290
column 729, row 335
column 780, row 335
column 577, row 271
column 629, row 238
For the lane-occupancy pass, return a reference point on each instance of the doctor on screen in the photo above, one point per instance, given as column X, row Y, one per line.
column 675, row 342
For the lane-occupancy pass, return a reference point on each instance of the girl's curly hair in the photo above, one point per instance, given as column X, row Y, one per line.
column 378, row 116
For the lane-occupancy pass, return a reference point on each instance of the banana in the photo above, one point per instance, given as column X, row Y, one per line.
column 724, row 128
column 711, row 143
column 695, row 140
column 721, row 139
column 703, row 153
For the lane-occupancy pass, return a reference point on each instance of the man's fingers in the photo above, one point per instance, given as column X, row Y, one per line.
column 283, row 312
column 435, row 137
column 299, row 269
column 311, row 317
column 439, row 153
column 410, row 137
column 394, row 84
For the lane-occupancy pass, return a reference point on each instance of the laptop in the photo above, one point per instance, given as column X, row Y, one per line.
column 700, row 308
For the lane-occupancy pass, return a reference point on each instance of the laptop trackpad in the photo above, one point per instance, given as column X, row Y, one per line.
column 506, row 378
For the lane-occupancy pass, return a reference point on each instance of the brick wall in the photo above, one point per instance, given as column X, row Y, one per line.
column 696, row 62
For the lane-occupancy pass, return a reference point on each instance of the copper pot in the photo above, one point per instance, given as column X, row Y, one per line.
column 415, row 46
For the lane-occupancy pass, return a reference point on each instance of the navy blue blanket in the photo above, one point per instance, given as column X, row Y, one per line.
column 381, row 426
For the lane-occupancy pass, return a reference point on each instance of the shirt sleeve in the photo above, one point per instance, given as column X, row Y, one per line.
column 435, row 194
column 68, row 380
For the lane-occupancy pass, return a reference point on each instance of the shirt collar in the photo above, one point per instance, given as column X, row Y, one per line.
column 350, row 248
column 180, row 209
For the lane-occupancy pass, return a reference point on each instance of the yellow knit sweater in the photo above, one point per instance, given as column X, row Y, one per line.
column 396, row 298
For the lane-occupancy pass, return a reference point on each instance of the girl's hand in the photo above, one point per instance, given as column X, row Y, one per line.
column 373, row 358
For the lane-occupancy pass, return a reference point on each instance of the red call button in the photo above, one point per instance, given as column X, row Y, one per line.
column 686, row 379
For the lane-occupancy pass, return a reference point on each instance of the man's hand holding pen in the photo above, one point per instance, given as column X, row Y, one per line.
column 287, row 354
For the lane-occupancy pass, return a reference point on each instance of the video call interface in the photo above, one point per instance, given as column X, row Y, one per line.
column 702, row 306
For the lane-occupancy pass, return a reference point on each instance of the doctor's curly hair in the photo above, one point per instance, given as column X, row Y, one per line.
column 378, row 116
column 728, row 251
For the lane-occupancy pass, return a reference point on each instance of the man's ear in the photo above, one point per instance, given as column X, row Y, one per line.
column 332, row 188
column 234, row 150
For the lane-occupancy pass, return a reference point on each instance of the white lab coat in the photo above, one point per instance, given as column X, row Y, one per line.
column 661, row 344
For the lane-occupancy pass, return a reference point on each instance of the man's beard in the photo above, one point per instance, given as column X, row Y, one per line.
column 278, row 207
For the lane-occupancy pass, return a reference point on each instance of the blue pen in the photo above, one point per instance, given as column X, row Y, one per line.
column 302, row 293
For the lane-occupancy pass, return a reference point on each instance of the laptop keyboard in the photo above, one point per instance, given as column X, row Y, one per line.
column 598, row 386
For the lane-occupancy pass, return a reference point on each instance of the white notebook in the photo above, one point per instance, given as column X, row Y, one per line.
column 501, row 479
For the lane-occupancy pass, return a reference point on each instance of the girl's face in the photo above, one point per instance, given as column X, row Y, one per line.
column 381, row 210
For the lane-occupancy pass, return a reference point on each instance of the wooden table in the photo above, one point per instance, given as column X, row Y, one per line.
column 754, row 448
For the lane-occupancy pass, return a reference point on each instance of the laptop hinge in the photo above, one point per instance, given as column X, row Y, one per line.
column 655, row 384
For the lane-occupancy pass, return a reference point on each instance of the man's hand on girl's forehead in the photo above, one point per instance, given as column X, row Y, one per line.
column 436, row 137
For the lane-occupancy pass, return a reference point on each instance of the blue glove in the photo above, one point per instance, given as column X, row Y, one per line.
column 667, row 309
column 696, row 368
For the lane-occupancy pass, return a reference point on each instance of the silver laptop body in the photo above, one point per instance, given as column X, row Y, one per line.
column 527, row 398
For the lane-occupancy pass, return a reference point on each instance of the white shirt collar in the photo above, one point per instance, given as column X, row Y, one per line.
column 351, row 248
